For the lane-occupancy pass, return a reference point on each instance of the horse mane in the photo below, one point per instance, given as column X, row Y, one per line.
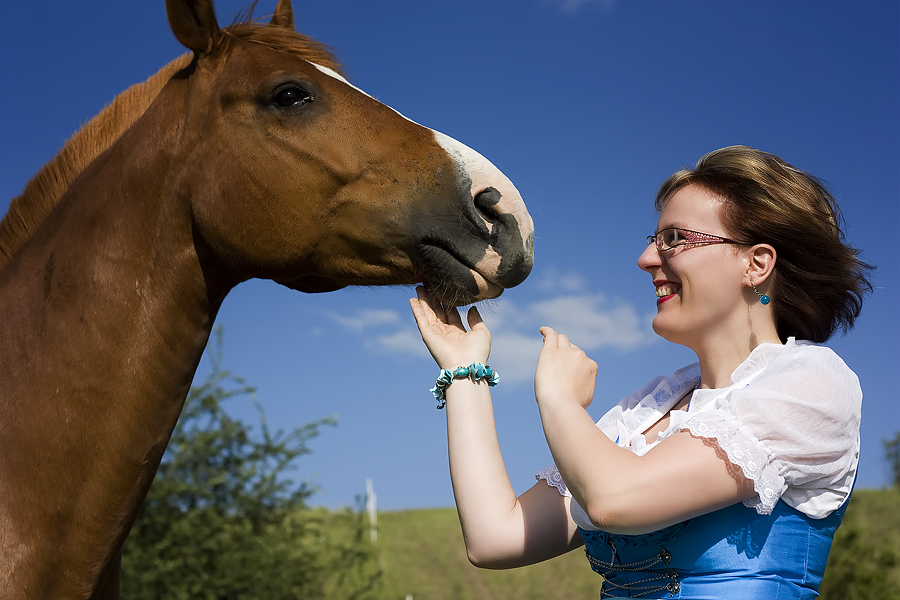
column 28, row 211
column 287, row 40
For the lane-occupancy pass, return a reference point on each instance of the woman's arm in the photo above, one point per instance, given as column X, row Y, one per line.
column 500, row 530
column 621, row 492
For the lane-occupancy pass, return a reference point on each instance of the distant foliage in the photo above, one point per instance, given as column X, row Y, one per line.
column 865, row 558
column 892, row 450
column 223, row 521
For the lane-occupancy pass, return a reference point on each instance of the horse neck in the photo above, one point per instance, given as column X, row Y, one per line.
column 112, row 302
column 28, row 211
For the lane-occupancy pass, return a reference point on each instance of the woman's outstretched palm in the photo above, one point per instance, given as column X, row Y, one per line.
column 445, row 335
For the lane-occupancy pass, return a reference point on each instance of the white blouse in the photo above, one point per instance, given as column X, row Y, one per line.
column 790, row 421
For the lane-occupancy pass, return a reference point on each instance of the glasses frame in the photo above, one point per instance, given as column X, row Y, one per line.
column 700, row 239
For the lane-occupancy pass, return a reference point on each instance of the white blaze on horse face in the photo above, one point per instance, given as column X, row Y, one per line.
column 483, row 175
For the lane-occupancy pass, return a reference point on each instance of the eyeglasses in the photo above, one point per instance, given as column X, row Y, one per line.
column 672, row 237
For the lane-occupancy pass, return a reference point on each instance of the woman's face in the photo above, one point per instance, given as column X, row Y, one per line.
column 698, row 287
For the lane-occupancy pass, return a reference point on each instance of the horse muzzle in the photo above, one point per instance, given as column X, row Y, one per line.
column 478, row 251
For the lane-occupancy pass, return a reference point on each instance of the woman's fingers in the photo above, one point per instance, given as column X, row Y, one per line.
column 551, row 338
column 434, row 312
column 421, row 305
column 474, row 319
column 452, row 317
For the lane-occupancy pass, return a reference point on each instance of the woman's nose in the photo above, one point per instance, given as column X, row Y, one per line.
column 649, row 258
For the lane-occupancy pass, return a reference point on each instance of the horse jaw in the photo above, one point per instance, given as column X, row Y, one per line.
column 311, row 284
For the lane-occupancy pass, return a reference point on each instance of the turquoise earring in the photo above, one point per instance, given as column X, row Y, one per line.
column 763, row 299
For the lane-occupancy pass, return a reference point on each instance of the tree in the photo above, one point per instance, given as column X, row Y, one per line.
column 892, row 452
column 865, row 556
column 223, row 520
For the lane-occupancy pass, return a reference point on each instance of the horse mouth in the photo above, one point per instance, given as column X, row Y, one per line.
column 452, row 278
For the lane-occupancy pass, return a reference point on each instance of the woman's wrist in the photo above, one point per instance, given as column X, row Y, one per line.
column 547, row 398
column 475, row 372
column 465, row 361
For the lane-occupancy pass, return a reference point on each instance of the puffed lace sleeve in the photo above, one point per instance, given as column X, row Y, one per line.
column 554, row 479
column 793, row 431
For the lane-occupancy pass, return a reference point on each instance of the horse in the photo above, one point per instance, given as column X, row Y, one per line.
column 251, row 156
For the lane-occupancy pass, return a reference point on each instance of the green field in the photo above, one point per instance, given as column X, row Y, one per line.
column 421, row 555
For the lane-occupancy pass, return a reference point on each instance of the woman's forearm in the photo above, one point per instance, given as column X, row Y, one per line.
column 485, row 499
column 501, row 531
column 598, row 473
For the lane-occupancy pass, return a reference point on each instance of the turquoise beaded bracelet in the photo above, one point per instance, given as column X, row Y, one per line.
column 475, row 372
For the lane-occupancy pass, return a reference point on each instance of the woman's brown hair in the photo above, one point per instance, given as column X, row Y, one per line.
column 818, row 282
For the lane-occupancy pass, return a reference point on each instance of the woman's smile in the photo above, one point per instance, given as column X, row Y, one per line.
column 665, row 290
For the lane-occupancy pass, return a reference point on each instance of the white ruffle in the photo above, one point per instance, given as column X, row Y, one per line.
column 742, row 449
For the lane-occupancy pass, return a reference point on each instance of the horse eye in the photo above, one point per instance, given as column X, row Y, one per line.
column 292, row 96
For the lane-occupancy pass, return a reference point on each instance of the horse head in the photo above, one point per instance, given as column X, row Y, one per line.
column 311, row 182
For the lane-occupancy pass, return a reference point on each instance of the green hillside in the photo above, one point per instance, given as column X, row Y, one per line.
column 422, row 555
column 865, row 558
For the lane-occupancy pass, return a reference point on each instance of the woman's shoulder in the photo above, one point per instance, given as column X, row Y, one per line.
column 817, row 364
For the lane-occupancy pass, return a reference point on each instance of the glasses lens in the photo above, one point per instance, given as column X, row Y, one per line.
column 669, row 238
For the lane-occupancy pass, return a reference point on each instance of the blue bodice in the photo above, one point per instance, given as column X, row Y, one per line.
column 733, row 553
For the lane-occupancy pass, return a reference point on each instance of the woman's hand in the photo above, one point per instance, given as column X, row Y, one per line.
column 564, row 371
column 445, row 335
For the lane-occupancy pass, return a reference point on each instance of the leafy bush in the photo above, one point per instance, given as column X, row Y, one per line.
column 865, row 557
column 223, row 521
column 892, row 453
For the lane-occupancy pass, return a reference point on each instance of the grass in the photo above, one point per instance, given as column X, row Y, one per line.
column 422, row 555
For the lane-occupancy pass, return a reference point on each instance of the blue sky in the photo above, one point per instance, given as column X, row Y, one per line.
column 587, row 106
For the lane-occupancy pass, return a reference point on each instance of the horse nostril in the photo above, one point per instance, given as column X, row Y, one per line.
column 486, row 202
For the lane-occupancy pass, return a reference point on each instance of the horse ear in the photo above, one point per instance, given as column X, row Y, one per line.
column 284, row 15
column 194, row 24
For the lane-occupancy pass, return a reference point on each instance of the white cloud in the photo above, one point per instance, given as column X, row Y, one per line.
column 404, row 341
column 591, row 320
column 553, row 279
column 515, row 355
column 364, row 319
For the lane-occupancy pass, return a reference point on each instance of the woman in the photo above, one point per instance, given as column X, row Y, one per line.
column 729, row 477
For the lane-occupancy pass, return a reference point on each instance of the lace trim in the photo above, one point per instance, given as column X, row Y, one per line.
column 551, row 476
column 744, row 451
column 740, row 446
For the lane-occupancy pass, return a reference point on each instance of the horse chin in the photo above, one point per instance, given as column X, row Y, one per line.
column 449, row 279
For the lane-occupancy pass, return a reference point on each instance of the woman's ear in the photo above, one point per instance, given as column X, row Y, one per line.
column 760, row 264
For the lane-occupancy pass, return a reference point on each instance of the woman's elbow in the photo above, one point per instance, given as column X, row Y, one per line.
column 489, row 553
column 478, row 560
column 599, row 516
column 485, row 558
column 610, row 516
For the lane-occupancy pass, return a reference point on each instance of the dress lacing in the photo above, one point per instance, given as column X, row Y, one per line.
column 657, row 576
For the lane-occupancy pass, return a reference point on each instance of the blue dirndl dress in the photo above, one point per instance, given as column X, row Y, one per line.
column 734, row 553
